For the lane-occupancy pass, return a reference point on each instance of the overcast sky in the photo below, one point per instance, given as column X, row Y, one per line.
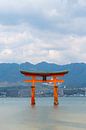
column 43, row 30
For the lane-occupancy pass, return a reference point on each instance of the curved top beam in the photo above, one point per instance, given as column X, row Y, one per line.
column 41, row 74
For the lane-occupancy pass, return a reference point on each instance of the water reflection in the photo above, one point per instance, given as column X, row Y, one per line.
column 18, row 114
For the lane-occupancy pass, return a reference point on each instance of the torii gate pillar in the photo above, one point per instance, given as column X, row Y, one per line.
column 55, row 90
column 33, row 95
column 33, row 91
column 55, row 94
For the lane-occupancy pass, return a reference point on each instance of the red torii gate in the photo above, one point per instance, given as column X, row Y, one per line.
column 44, row 75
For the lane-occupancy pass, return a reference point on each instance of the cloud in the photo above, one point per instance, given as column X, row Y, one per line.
column 5, row 54
column 58, row 16
column 48, row 30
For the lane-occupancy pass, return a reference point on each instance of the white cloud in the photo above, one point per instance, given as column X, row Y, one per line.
column 47, row 30
column 82, row 2
column 5, row 54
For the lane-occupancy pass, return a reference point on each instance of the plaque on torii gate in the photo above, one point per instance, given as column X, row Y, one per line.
column 44, row 79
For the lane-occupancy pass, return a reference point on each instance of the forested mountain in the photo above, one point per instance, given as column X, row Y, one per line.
column 10, row 72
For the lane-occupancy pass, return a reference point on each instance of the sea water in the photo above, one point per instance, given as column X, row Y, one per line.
column 18, row 114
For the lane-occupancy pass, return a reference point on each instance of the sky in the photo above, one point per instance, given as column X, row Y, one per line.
column 43, row 30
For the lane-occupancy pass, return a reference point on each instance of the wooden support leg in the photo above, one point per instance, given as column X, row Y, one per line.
column 33, row 95
column 55, row 95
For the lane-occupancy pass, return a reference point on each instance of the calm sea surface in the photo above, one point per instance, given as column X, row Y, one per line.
column 17, row 114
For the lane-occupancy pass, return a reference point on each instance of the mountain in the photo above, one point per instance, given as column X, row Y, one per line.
column 10, row 72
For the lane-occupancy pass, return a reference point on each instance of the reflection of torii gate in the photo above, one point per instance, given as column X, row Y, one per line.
column 54, row 80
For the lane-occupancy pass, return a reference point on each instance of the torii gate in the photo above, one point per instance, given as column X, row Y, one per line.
column 44, row 75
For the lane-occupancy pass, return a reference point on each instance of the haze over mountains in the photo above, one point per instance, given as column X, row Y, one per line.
column 10, row 73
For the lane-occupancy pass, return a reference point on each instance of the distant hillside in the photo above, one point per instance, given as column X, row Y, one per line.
column 10, row 72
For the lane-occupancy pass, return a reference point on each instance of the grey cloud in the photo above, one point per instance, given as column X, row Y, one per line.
column 48, row 30
column 37, row 15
